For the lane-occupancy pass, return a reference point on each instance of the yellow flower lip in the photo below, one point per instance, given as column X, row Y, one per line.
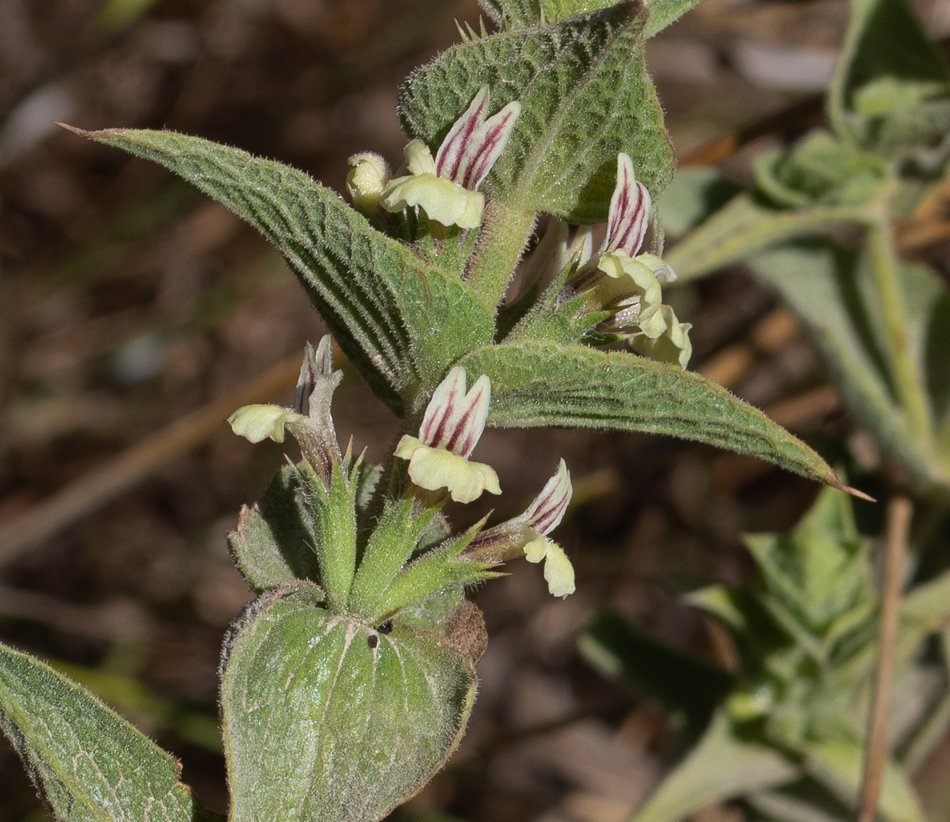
column 441, row 199
column 527, row 535
column 558, row 570
column 260, row 422
column 437, row 468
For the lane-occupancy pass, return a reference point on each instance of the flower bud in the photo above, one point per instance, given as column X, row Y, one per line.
column 369, row 175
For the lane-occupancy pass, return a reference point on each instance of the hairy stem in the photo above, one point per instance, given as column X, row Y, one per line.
column 908, row 381
column 501, row 242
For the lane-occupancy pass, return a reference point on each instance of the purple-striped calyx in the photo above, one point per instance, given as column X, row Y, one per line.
column 527, row 535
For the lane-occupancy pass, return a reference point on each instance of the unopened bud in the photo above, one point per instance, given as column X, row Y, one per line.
column 369, row 175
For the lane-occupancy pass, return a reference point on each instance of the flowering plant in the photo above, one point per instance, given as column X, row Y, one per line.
column 348, row 682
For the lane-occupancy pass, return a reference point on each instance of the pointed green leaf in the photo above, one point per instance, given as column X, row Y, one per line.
column 832, row 290
column 395, row 537
column 399, row 318
column 536, row 384
column 326, row 718
column 91, row 764
column 720, row 767
column 664, row 12
column 585, row 96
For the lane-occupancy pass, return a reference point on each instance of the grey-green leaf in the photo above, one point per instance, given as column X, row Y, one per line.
column 91, row 764
column 585, row 96
column 839, row 764
column 402, row 320
column 831, row 288
column 326, row 718
column 720, row 767
column 748, row 225
column 537, row 384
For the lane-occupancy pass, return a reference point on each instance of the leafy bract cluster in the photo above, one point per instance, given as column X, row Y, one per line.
column 786, row 732
column 361, row 647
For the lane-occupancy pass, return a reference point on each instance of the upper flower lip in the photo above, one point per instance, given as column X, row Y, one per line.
column 474, row 143
column 629, row 213
column 455, row 418
column 547, row 509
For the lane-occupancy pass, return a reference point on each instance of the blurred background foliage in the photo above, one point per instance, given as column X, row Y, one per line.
column 135, row 315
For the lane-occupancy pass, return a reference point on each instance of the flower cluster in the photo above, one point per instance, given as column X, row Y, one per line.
column 438, row 467
column 627, row 283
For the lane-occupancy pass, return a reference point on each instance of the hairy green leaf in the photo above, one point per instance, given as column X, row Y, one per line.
column 664, row 12
column 275, row 539
column 327, row 718
column 585, row 97
column 91, row 764
column 524, row 13
column 402, row 320
column 537, row 384
column 395, row 537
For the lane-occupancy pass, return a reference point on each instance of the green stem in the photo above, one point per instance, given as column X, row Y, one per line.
column 908, row 381
column 501, row 242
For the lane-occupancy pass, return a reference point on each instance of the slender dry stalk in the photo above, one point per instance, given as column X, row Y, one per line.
column 899, row 511
column 94, row 489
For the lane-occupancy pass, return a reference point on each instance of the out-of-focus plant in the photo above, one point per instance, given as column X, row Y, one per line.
column 788, row 734
column 822, row 226
column 349, row 680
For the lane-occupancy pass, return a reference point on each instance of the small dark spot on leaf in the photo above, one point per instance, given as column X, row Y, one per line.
column 386, row 627
column 373, row 640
